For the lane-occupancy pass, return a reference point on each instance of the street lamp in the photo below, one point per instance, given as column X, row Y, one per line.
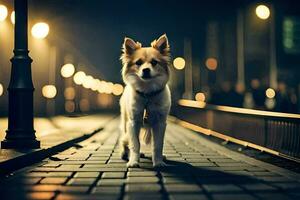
column 3, row 12
column 117, row 89
column 1, row 89
column 200, row 97
column 263, row 12
column 211, row 63
column 270, row 93
column 79, row 77
column 179, row 63
column 40, row 30
column 49, row 91
column 12, row 17
column 88, row 82
column 67, row 70
column 20, row 132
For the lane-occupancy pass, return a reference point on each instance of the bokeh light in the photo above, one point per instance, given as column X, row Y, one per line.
column 67, row 70
column 12, row 17
column 179, row 63
column 211, row 63
column 104, row 100
column 3, row 12
column 84, row 105
column 69, row 106
column 79, row 77
column 262, row 11
column 40, row 30
column 101, row 86
column 95, row 84
column 270, row 93
column 88, row 82
column 117, row 89
column 49, row 91
column 69, row 93
column 108, row 87
column 1, row 89
column 200, row 96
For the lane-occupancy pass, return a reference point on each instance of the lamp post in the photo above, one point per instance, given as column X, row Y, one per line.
column 263, row 12
column 20, row 133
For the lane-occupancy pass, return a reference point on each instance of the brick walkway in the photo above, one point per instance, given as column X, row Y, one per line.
column 197, row 169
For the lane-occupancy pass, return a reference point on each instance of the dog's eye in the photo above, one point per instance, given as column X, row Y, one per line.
column 153, row 62
column 139, row 62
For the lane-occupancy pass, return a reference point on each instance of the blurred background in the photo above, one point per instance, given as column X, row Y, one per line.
column 237, row 53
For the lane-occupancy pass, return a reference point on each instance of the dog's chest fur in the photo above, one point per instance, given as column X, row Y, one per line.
column 156, row 106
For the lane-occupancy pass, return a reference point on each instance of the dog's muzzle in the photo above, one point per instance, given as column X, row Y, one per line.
column 146, row 73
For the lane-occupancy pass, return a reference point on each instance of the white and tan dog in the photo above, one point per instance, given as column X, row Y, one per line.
column 145, row 73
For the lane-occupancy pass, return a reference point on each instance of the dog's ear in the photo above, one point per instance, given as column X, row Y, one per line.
column 162, row 44
column 129, row 45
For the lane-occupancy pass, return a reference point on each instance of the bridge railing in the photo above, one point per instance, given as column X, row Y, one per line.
column 273, row 132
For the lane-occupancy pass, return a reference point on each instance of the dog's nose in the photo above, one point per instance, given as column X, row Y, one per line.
column 146, row 73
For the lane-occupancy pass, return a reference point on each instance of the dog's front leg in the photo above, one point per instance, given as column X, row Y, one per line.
column 158, row 135
column 133, row 127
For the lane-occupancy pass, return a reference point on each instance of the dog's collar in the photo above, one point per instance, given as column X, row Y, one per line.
column 150, row 94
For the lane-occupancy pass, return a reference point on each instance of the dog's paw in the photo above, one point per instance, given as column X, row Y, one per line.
column 133, row 164
column 159, row 164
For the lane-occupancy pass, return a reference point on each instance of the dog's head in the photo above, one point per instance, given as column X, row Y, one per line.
column 146, row 68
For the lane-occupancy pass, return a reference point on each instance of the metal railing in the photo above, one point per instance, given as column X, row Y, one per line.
column 273, row 132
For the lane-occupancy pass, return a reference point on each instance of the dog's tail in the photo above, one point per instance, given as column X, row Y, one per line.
column 147, row 135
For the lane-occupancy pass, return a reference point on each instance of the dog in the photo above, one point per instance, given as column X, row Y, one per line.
column 146, row 97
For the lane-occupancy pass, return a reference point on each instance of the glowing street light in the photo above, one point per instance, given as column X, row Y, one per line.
column 179, row 63
column 49, row 91
column 117, row 89
column 95, row 84
column 200, row 97
column 40, row 30
column 69, row 93
column 270, row 93
column 12, row 17
column 79, row 77
column 3, row 12
column 211, row 63
column 108, row 87
column 67, row 70
column 1, row 89
column 88, row 82
column 262, row 11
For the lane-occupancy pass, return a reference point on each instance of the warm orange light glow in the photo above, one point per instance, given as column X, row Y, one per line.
column 69, row 106
column 84, row 105
column 67, row 70
column 211, row 63
column 270, row 93
column 88, row 82
column 69, row 93
column 3, row 12
column 12, row 17
column 101, row 86
column 108, row 87
column 49, row 91
column 79, row 77
column 95, row 84
column 104, row 100
column 262, row 11
column 179, row 63
column 200, row 96
column 40, row 30
column 117, row 89
column 1, row 89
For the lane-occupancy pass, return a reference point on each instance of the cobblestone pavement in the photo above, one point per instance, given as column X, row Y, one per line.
column 196, row 170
